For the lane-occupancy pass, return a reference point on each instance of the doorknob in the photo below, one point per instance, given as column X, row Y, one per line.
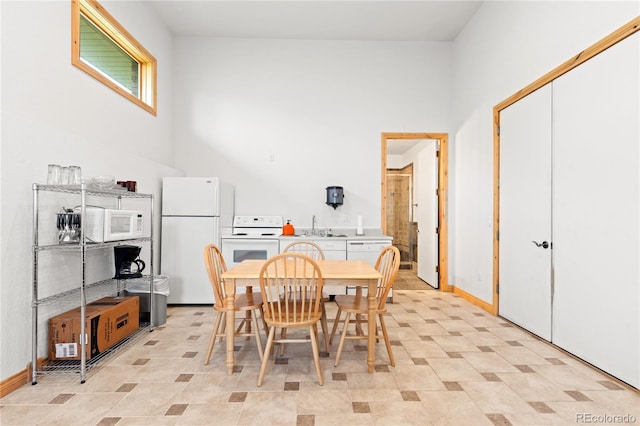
column 544, row 244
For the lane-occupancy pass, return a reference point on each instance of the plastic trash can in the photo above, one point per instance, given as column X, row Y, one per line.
column 140, row 287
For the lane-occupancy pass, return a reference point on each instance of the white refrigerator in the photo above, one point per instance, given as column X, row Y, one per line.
column 196, row 211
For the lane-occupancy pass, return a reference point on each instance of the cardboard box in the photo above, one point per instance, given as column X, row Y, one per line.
column 108, row 321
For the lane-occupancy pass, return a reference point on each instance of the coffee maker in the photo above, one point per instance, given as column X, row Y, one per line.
column 128, row 265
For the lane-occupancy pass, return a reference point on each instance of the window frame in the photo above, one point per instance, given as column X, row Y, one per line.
column 98, row 16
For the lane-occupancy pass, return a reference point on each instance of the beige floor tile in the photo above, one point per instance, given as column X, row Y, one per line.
column 572, row 412
column 398, row 413
column 568, row 377
column 455, row 370
column 324, row 401
column 520, row 355
column 483, row 338
column 416, row 377
column 219, row 413
column 496, row 397
column 147, row 399
column 535, row 419
column 455, row 344
column 489, row 362
column 339, row 419
column 511, row 332
column 148, row 421
column 204, row 389
column 455, row 325
column 451, row 408
column 83, row 409
column 269, row 408
column 424, row 349
column 619, row 402
column 378, row 381
column 24, row 414
column 534, row 387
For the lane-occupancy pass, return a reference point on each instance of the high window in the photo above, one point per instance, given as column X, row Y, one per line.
column 102, row 48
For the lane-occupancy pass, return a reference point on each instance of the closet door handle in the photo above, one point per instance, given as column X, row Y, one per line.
column 544, row 244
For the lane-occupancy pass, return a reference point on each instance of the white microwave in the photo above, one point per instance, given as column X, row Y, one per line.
column 102, row 225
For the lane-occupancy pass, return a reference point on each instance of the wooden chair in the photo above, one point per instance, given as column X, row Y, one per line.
column 314, row 251
column 291, row 285
column 387, row 264
column 250, row 303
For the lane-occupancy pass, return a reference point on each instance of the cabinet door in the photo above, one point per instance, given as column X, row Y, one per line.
column 596, row 214
column 525, row 212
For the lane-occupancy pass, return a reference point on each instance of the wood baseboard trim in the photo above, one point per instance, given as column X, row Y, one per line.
column 14, row 382
column 476, row 301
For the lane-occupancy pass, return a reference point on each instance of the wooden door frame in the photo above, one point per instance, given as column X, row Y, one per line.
column 618, row 35
column 443, row 185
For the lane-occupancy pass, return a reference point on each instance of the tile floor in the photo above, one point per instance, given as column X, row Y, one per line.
column 455, row 365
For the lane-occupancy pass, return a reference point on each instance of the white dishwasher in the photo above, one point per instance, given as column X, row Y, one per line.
column 368, row 250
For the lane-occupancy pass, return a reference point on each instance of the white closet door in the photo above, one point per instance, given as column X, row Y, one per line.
column 596, row 214
column 525, row 213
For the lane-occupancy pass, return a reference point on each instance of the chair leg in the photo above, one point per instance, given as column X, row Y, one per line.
column 359, row 331
column 325, row 333
column 256, row 332
column 313, row 332
column 386, row 341
column 283, row 335
column 342, row 338
column 242, row 323
column 248, row 323
column 335, row 326
column 222, row 327
column 264, row 323
column 214, row 334
column 265, row 357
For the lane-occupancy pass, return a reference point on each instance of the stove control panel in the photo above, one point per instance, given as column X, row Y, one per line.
column 258, row 222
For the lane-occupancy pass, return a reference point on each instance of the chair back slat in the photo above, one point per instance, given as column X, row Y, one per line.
column 215, row 268
column 388, row 264
column 309, row 248
column 291, row 284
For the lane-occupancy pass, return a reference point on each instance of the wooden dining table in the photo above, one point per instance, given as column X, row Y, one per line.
column 352, row 273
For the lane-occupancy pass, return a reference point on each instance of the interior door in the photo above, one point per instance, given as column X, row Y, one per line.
column 525, row 271
column 426, row 213
column 596, row 210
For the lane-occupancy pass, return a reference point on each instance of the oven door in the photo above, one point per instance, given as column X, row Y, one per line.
column 236, row 249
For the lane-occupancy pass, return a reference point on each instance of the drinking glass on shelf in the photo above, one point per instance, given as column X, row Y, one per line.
column 75, row 175
column 53, row 174
column 64, row 175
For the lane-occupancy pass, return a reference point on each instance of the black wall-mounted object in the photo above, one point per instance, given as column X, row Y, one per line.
column 335, row 195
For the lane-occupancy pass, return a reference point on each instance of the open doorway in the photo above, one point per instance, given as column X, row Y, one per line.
column 400, row 206
column 414, row 201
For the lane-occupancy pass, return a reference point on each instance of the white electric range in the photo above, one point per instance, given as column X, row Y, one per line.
column 253, row 237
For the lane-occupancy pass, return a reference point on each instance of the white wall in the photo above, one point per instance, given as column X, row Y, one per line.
column 54, row 113
column 284, row 119
column 505, row 46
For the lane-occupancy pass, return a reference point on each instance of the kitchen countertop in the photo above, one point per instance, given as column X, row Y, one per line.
column 338, row 234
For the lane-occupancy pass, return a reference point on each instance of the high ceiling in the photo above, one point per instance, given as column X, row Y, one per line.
column 318, row 20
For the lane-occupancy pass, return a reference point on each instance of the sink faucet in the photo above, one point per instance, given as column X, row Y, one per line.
column 313, row 224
